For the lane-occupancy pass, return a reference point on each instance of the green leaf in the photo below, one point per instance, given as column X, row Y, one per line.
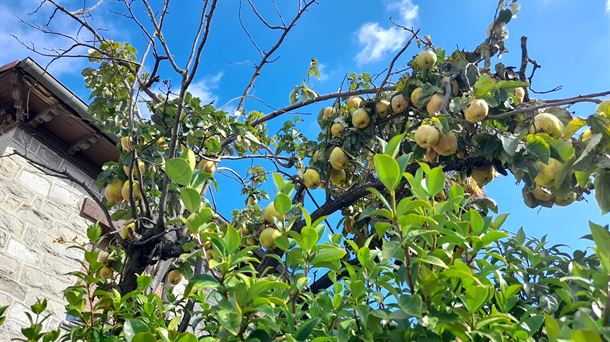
column 189, row 156
column 484, row 85
column 94, row 232
column 380, row 197
column 327, row 254
column 388, row 171
column 476, row 296
column 232, row 239
column 602, row 190
column 191, row 199
column 563, row 148
column 144, row 337
column 411, row 305
column 200, row 281
column 432, row 260
column 39, row 306
column 393, row 146
column 586, row 156
column 259, row 335
column 132, row 326
column 510, row 143
column 186, row 337
column 306, row 328
column 585, row 336
column 310, row 238
column 230, row 316
column 364, row 255
column 476, row 222
column 601, row 237
column 573, row 126
column 435, row 180
column 538, row 147
column 493, row 236
column 179, row 171
column 279, row 181
column 282, row 203
column 263, row 286
column 504, row 84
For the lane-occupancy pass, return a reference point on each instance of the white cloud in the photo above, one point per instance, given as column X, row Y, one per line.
column 408, row 11
column 608, row 6
column 204, row 88
column 376, row 41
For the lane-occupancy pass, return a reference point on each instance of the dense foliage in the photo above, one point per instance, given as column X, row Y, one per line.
column 418, row 252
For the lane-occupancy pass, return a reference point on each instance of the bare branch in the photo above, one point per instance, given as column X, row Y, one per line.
column 267, row 56
column 260, row 17
column 88, row 10
column 400, row 52
column 204, row 39
column 158, row 25
column 243, row 27
column 552, row 103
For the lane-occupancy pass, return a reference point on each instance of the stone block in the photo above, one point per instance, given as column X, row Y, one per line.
column 17, row 290
column 76, row 173
column 10, row 224
column 79, row 224
column 45, row 283
column 58, row 266
column 62, row 193
column 48, row 157
column 9, row 268
column 5, row 299
column 17, row 312
column 21, row 252
column 35, row 181
column 12, row 204
column 30, row 235
column 11, row 329
column 36, row 217
column 54, row 306
column 37, row 202
column 16, row 190
column 3, row 239
column 58, row 244
column 58, row 211
column 21, row 138
column 9, row 167
column 32, row 147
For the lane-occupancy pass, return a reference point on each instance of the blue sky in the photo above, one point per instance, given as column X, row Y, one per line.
column 570, row 38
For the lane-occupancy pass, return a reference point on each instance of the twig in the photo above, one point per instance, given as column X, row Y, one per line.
column 267, row 56
column 404, row 48
column 523, row 69
column 552, row 103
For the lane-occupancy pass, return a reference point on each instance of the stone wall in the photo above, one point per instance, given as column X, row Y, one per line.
column 39, row 217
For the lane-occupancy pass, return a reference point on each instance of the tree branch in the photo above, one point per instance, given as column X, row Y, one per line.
column 404, row 48
column 552, row 103
column 265, row 59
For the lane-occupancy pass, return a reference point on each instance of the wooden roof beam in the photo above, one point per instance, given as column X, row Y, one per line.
column 47, row 115
column 84, row 143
